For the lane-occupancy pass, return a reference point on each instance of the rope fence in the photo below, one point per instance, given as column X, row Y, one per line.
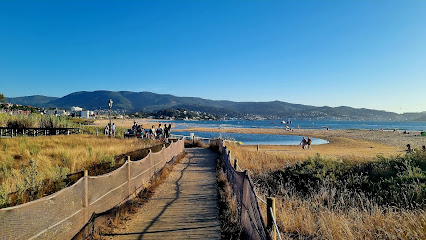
column 251, row 220
column 275, row 224
column 254, row 224
column 63, row 214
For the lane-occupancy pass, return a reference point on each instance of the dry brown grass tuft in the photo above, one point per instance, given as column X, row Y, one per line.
column 299, row 218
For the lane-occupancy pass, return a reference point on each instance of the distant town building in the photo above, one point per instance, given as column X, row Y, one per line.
column 85, row 114
column 57, row 112
column 76, row 109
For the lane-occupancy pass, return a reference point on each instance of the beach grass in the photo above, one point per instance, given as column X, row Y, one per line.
column 335, row 197
column 26, row 162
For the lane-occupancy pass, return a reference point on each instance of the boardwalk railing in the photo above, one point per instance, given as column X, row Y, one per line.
column 34, row 132
column 193, row 138
column 243, row 189
column 62, row 214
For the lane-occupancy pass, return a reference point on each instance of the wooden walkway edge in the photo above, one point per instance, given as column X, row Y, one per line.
column 184, row 206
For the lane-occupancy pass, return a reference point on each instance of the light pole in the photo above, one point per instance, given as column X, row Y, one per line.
column 110, row 125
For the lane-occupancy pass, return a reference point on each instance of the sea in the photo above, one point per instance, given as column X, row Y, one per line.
column 265, row 139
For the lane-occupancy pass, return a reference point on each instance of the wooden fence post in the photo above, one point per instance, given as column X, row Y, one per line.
column 270, row 203
column 258, row 147
column 235, row 164
column 86, row 195
column 128, row 176
column 164, row 152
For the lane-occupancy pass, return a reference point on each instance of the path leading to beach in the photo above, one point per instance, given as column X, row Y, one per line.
column 184, row 206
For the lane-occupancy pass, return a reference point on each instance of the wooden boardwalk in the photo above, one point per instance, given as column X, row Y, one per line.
column 184, row 207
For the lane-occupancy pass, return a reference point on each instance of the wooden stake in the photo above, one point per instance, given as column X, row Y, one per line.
column 270, row 203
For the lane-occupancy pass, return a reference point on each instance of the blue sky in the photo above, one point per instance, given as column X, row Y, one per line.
column 356, row 53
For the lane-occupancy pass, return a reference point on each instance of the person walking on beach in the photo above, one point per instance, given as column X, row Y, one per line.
column 303, row 143
column 309, row 142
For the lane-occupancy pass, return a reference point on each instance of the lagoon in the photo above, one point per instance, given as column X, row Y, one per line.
column 254, row 139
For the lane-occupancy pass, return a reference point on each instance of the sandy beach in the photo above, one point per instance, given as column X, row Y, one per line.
column 343, row 143
column 354, row 144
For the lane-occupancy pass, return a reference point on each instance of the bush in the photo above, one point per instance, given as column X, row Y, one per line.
column 399, row 181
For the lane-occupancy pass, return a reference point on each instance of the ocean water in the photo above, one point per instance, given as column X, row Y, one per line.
column 254, row 139
column 303, row 124
column 264, row 139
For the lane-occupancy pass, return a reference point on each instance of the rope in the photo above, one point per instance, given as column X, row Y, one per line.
column 275, row 224
column 240, row 168
column 261, row 199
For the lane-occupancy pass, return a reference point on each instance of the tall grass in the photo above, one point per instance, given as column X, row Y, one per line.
column 27, row 163
column 329, row 198
column 35, row 121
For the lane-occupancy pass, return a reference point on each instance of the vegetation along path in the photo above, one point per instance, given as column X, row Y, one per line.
column 184, row 207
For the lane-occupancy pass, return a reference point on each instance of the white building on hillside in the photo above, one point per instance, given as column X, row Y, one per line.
column 76, row 109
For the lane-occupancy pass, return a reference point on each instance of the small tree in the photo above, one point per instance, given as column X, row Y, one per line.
column 2, row 98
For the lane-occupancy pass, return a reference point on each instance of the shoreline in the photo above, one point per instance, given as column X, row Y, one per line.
column 356, row 144
column 390, row 138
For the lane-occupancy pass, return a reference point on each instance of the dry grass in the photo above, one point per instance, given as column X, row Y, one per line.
column 25, row 162
column 230, row 225
column 275, row 157
column 319, row 216
column 303, row 219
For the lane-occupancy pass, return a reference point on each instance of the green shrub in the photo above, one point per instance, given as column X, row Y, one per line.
column 398, row 181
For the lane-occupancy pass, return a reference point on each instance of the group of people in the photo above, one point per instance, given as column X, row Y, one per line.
column 306, row 144
column 108, row 128
column 160, row 133
column 410, row 150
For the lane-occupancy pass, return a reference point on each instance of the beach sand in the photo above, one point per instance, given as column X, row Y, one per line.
column 353, row 144
column 128, row 123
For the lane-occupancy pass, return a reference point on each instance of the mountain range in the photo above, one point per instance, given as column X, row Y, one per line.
column 150, row 102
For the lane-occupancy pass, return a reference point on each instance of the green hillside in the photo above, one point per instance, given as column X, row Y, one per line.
column 152, row 102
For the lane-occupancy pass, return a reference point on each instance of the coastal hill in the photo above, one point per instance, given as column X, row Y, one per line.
column 150, row 102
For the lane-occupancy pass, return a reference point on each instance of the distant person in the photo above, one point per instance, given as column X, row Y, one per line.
column 409, row 149
column 309, row 142
column 152, row 132
column 298, row 126
column 113, row 129
column 106, row 130
column 160, row 132
column 167, row 131
column 303, row 143
column 134, row 127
